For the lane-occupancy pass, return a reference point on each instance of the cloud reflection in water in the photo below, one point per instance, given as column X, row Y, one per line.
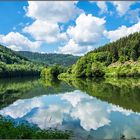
column 51, row 111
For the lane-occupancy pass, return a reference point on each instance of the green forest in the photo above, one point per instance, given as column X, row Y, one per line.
column 50, row 58
column 14, row 65
column 19, row 64
column 119, row 59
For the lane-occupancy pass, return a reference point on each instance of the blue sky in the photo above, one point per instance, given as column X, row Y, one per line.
column 66, row 27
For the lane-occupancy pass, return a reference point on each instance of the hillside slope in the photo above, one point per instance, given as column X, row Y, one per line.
column 14, row 65
column 124, row 49
column 50, row 59
column 10, row 57
column 99, row 62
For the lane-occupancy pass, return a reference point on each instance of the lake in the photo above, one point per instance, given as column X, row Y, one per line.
column 104, row 109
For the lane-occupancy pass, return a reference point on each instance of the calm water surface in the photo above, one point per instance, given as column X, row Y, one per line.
column 105, row 109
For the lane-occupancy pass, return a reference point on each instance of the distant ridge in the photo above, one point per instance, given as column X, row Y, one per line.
column 50, row 58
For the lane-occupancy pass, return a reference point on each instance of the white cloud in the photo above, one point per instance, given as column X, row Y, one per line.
column 55, row 11
column 17, row 41
column 122, row 31
column 72, row 48
column 47, row 15
column 133, row 16
column 103, row 6
column 122, row 6
column 15, row 48
column 87, row 32
column 45, row 31
column 88, row 29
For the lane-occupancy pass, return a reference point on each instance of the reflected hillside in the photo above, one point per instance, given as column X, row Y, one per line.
column 13, row 89
column 17, row 88
column 122, row 92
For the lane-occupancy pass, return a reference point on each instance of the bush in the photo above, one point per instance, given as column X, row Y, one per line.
column 9, row 130
column 97, row 70
column 52, row 72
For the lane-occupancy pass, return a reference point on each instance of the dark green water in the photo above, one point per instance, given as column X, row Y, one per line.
column 104, row 109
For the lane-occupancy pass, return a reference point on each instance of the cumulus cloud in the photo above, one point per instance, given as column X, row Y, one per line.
column 55, row 11
column 122, row 31
column 88, row 29
column 17, row 42
column 103, row 6
column 133, row 16
column 45, row 31
column 122, row 6
column 87, row 32
column 72, row 48
column 45, row 27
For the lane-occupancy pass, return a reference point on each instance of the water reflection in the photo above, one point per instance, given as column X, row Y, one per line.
column 100, row 109
column 122, row 92
column 85, row 113
column 17, row 88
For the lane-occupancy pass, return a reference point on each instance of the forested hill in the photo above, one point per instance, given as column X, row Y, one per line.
column 10, row 57
column 14, row 65
column 124, row 49
column 119, row 58
column 50, row 59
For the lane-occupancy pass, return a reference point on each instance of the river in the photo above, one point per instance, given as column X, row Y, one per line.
column 104, row 109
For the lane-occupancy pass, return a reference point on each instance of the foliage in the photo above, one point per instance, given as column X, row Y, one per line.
column 126, row 48
column 10, row 57
column 14, row 65
column 52, row 72
column 9, row 130
column 127, row 69
column 88, row 66
column 19, row 70
column 50, row 59
column 97, row 63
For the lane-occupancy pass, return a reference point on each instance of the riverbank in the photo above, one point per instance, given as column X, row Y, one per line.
column 117, row 69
